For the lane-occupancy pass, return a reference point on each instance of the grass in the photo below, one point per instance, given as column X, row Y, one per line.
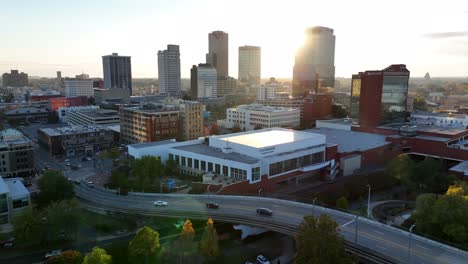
column 106, row 224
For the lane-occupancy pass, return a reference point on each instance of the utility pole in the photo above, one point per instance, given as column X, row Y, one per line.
column 409, row 243
column 313, row 206
column 356, row 229
column 368, row 201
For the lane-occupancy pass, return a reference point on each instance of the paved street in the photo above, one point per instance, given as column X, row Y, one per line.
column 373, row 235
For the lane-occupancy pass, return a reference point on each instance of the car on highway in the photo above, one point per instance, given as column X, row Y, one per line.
column 53, row 253
column 90, row 184
column 262, row 259
column 8, row 243
column 67, row 160
column 264, row 211
column 160, row 203
column 76, row 181
column 212, row 205
column 89, row 158
column 67, row 164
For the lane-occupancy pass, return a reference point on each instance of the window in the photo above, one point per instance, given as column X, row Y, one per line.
column 256, row 174
column 20, row 203
column 218, row 169
column 177, row 159
column 190, row 162
column 3, row 219
column 225, row 171
column 3, row 203
column 197, row 164
column 210, row 166
column 203, row 165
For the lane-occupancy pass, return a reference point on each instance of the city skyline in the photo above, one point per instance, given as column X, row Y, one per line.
column 427, row 37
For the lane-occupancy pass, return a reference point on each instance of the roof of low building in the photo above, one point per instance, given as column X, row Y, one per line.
column 461, row 167
column 16, row 188
column 152, row 144
column 3, row 186
column 203, row 149
column 349, row 141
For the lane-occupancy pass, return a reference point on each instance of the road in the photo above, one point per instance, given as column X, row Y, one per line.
column 286, row 218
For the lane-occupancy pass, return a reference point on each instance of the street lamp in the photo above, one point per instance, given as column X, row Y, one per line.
column 368, row 201
column 258, row 194
column 409, row 243
column 356, row 229
column 313, row 206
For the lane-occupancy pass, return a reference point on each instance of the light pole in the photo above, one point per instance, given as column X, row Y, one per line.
column 313, row 206
column 356, row 229
column 409, row 243
column 368, row 201
column 258, row 194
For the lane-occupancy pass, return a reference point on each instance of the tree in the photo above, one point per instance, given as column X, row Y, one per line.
column 338, row 111
column 419, row 103
column 62, row 220
column 54, row 187
column 236, row 128
column 444, row 216
column 67, row 257
column 209, row 245
column 342, row 203
column 119, row 180
column 214, row 130
column 113, row 153
column 187, row 233
column 171, row 167
column 142, row 248
column 147, row 170
column 28, row 226
column 329, row 250
column 98, row 256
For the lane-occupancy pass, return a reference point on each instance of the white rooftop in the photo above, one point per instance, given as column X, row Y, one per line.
column 267, row 137
column 16, row 187
column 3, row 186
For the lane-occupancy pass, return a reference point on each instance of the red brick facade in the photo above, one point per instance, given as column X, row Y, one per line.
column 56, row 103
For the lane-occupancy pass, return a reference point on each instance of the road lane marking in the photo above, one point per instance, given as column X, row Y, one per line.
column 417, row 245
column 381, row 247
column 347, row 223
column 377, row 231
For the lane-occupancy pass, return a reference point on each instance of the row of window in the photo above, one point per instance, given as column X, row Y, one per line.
column 291, row 164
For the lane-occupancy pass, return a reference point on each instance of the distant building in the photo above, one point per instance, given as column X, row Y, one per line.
column 203, row 81
column 225, row 86
column 343, row 99
column 26, row 115
column 112, row 95
column 249, row 64
column 79, row 87
column 62, row 112
column 256, row 116
column 59, row 80
column 439, row 119
column 14, row 198
column 169, row 81
column 218, row 52
column 92, row 117
column 315, row 62
column 272, row 92
column 36, row 96
column 75, row 140
column 16, row 154
column 56, row 103
column 191, row 119
column 117, row 72
column 14, row 79
column 379, row 97
column 149, row 122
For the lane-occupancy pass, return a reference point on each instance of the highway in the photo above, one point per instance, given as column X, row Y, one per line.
column 287, row 216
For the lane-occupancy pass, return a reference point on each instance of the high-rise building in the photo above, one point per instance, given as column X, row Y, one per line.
column 203, row 80
column 249, row 65
column 169, row 71
column 58, row 80
column 15, row 79
column 218, row 52
column 226, row 86
column 191, row 119
column 379, row 97
column 117, row 72
column 79, row 86
column 315, row 62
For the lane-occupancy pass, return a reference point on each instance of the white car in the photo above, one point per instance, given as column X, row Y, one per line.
column 262, row 260
column 160, row 203
column 53, row 253
column 90, row 184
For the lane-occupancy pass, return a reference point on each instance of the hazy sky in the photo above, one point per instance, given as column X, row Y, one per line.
column 42, row 36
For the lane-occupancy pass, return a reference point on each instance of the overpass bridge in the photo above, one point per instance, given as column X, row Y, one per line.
column 373, row 242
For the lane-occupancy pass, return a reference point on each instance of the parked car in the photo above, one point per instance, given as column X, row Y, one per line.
column 67, row 164
column 90, row 184
column 8, row 245
column 67, row 160
column 262, row 260
column 212, row 205
column 160, row 203
column 264, row 211
column 53, row 253
column 89, row 158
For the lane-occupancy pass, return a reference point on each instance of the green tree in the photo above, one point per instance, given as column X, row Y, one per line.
column 147, row 170
column 119, row 180
column 209, row 244
column 54, row 187
column 97, row 256
column 419, row 103
column 143, row 247
column 400, row 168
column 444, row 216
column 342, row 203
column 339, row 111
column 329, row 250
column 67, row 257
column 28, row 226
column 171, row 168
column 113, row 153
column 62, row 220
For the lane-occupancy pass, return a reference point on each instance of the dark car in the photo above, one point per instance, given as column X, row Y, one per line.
column 264, row 211
column 212, row 205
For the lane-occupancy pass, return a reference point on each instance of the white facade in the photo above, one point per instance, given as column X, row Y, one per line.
column 243, row 156
column 249, row 64
column 79, row 87
column 207, row 82
column 272, row 92
column 63, row 111
column 169, row 71
column 439, row 119
column 254, row 116
column 14, row 197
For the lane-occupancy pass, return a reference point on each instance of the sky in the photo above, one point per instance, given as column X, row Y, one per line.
column 42, row 37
